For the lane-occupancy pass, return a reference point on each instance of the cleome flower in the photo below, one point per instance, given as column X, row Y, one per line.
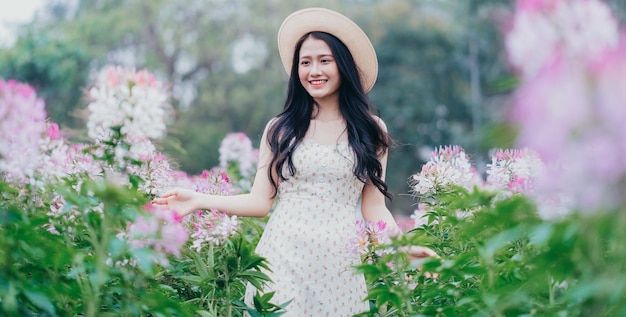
column 22, row 125
column 154, row 168
column 211, row 227
column 515, row 170
column 448, row 166
column 570, row 106
column 132, row 100
column 162, row 230
column 237, row 148
column 366, row 239
column 213, row 182
column 544, row 30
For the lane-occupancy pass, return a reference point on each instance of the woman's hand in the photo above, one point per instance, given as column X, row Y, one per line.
column 416, row 252
column 183, row 201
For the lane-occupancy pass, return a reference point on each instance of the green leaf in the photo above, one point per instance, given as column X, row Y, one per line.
column 257, row 301
column 193, row 279
column 202, row 268
column 204, row 313
column 498, row 241
column 541, row 234
column 251, row 275
column 41, row 301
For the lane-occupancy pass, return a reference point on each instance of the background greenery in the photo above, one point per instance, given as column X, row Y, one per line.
column 443, row 77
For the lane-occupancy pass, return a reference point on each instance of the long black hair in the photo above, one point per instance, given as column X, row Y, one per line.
column 366, row 137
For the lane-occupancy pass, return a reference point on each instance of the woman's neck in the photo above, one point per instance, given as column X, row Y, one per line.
column 326, row 110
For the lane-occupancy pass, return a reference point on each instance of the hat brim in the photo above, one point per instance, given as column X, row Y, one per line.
column 309, row 20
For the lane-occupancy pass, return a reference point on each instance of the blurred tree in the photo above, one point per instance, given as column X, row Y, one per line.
column 56, row 67
column 419, row 93
column 442, row 77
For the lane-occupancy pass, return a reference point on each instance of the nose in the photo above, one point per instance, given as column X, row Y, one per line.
column 316, row 69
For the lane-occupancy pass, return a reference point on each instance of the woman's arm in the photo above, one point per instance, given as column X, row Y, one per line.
column 373, row 205
column 374, row 209
column 257, row 203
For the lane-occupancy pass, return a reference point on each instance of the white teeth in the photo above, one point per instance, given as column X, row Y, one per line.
column 317, row 82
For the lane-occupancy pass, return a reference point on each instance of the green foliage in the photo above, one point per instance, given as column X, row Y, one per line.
column 25, row 284
column 498, row 258
column 77, row 270
column 87, row 269
column 215, row 279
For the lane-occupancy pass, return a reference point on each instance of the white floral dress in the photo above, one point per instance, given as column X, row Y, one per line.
column 305, row 240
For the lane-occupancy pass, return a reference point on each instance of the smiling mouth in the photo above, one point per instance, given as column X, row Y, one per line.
column 318, row 81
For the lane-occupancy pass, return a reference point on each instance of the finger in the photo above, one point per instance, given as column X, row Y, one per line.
column 159, row 201
column 421, row 252
column 170, row 193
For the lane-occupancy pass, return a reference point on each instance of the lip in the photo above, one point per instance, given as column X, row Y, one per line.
column 318, row 82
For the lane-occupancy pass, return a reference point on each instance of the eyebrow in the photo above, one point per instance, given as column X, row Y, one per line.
column 322, row 55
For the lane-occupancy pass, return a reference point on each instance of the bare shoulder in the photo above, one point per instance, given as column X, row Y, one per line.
column 380, row 122
column 269, row 125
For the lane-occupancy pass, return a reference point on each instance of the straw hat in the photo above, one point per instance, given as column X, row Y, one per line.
column 308, row 20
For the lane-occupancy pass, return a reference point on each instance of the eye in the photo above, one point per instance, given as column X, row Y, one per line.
column 304, row 62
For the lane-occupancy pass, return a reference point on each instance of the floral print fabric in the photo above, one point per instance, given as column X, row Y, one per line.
column 305, row 238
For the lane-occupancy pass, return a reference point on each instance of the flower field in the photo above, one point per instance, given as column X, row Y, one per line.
column 538, row 231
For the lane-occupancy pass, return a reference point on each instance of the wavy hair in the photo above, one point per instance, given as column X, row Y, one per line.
column 366, row 137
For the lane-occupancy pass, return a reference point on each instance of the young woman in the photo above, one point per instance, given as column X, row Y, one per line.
column 323, row 152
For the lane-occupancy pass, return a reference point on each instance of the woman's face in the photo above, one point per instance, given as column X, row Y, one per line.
column 318, row 70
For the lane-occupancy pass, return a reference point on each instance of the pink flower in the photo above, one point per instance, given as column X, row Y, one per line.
column 181, row 179
column 161, row 229
column 514, row 169
column 367, row 237
column 53, row 131
column 211, row 228
column 112, row 77
column 359, row 243
column 536, row 5
column 570, row 108
column 22, row 125
column 545, row 30
column 554, row 103
column 213, row 182
column 154, row 170
column 237, row 148
column 391, row 265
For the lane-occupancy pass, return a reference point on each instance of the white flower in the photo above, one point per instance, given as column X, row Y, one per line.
column 211, row 228
column 237, row 147
column 133, row 101
column 447, row 166
column 420, row 216
column 515, row 170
